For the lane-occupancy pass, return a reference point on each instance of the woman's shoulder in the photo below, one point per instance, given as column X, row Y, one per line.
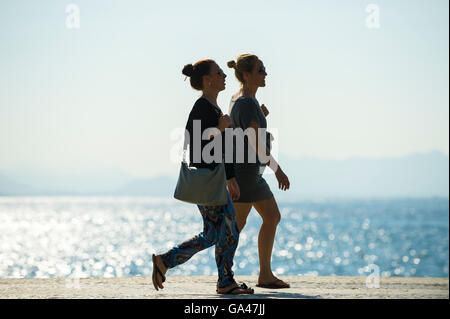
column 244, row 102
column 200, row 103
column 200, row 106
column 203, row 109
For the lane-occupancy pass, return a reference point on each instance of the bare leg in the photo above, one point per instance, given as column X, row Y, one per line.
column 163, row 269
column 268, row 209
column 242, row 211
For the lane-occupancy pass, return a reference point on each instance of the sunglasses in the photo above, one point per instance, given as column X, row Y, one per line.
column 262, row 69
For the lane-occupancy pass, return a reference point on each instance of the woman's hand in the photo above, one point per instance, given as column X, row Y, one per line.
column 264, row 110
column 233, row 188
column 283, row 180
column 224, row 122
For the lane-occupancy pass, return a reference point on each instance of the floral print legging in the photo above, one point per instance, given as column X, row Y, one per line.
column 219, row 229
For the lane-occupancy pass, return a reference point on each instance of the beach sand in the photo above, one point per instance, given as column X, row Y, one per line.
column 203, row 287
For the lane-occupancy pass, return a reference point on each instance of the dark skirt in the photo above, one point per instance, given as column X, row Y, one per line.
column 252, row 186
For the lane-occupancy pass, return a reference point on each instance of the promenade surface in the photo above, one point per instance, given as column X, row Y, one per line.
column 203, row 287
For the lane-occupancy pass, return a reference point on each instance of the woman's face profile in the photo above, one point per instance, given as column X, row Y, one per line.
column 258, row 75
column 216, row 77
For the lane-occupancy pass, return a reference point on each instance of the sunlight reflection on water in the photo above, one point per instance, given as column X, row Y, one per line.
column 116, row 236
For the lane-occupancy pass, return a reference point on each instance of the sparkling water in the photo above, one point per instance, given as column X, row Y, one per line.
column 47, row 237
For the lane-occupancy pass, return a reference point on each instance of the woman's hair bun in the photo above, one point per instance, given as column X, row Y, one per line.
column 231, row 64
column 188, row 70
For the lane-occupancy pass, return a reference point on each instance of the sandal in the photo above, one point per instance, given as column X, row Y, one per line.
column 156, row 271
column 274, row 285
column 243, row 286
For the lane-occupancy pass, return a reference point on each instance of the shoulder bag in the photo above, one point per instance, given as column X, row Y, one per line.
column 201, row 186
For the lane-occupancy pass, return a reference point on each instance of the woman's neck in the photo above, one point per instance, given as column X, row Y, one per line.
column 249, row 91
column 211, row 97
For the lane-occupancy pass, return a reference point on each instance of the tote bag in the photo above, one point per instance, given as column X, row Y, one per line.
column 201, row 186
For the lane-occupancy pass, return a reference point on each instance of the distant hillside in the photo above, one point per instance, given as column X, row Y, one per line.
column 161, row 186
column 415, row 175
column 11, row 187
column 35, row 181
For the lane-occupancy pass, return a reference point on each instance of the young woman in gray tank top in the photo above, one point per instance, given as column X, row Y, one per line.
column 246, row 113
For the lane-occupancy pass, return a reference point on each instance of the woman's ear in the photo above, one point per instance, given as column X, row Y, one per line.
column 206, row 80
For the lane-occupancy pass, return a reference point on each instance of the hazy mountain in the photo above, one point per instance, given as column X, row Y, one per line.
column 11, row 187
column 161, row 186
column 37, row 181
column 415, row 175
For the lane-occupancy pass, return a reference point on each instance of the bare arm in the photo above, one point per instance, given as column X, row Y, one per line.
column 283, row 180
column 272, row 163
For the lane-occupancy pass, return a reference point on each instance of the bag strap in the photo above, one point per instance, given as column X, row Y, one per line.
column 185, row 145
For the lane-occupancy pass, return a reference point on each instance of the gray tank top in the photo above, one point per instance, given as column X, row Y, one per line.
column 242, row 111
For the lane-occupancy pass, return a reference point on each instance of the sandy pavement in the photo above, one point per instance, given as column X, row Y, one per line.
column 203, row 287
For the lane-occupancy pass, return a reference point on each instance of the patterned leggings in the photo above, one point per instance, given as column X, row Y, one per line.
column 220, row 229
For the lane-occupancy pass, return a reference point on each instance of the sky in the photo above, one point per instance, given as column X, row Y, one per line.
column 110, row 93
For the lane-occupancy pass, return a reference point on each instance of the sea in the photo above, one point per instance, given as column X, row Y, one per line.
column 85, row 236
